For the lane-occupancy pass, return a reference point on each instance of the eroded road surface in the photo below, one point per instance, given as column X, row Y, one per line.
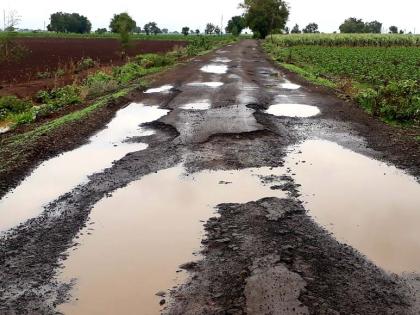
column 235, row 189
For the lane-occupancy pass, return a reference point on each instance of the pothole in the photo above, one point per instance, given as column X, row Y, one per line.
column 144, row 232
column 365, row 203
column 162, row 89
column 64, row 172
column 293, row 110
column 222, row 60
column 213, row 85
column 215, row 68
column 289, row 86
column 202, row 105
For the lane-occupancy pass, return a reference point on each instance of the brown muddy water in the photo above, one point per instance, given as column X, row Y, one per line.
column 372, row 206
column 60, row 174
column 293, row 110
column 140, row 236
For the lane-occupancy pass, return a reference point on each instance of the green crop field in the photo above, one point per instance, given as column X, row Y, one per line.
column 381, row 72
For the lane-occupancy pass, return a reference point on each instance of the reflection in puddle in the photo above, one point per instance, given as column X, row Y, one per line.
column 202, row 105
column 206, row 84
column 144, row 232
column 215, row 68
column 162, row 89
column 62, row 173
column 293, row 110
column 222, row 59
column 371, row 206
column 289, row 86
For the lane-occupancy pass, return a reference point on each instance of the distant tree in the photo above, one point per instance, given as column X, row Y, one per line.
column 286, row 30
column 311, row 28
column 265, row 16
column 210, row 28
column 217, row 30
column 197, row 32
column 69, row 23
column 373, row 27
column 165, row 31
column 185, row 30
column 352, row 25
column 401, row 32
column 101, row 31
column 10, row 48
column 295, row 29
column 122, row 22
column 152, row 28
column 235, row 25
column 137, row 30
column 393, row 30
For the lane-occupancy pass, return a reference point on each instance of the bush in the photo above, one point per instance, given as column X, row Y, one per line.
column 84, row 64
column 60, row 97
column 13, row 105
column 128, row 72
column 148, row 61
column 98, row 84
column 198, row 45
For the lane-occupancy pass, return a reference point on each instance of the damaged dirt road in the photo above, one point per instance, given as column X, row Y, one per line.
column 302, row 203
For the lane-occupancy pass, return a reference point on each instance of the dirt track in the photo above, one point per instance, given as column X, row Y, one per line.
column 267, row 256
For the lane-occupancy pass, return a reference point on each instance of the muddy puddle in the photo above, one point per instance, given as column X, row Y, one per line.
column 215, row 68
column 222, row 60
column 289, row 86
column 365, row 203
column 213, row 85
column 138, row 238
column 59, row 175
column 162, row 89
column 293, row 110
column 200, row 105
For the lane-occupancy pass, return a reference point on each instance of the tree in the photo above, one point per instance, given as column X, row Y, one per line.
column 352, row 25
column 210, row 28
column 217, row 30
column 401, row 32
column 373, row 27
column 137, row 30
column 295, row 29
column 185, row 30
column 10, row 49
column 311, row 28
column 265, row 16
column 393, row 29
column 152, row 28
column 286, row 30
column 197, row 32
column 122, row 23
column 69, row 23
column 165, row 31
column 101, row 31
column 235, row 25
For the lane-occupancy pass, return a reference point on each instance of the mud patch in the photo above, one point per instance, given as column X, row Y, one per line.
column 139, row 237
column 62, row 173
column 293, row 110
column 368, row 204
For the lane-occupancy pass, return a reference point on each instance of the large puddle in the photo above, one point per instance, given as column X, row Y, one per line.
column 144, row 232
column 289, row 86
column 293, row 110
column 365, row 203
column 213, row 85
column 161, row 89
column 62, row 173
column 199, row 105
column 215, row 68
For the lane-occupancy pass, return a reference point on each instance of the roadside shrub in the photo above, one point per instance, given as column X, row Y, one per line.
column 148, row 61
column 368, row 99
column 13, row 105
column 128, row 72
column 98, row 84
column 199, row 44
column 60, row 97
column 84, row 64
column 24, row 118
column 401, row 101
column 177, row 52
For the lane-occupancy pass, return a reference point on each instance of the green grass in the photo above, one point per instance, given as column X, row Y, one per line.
column 384, row 79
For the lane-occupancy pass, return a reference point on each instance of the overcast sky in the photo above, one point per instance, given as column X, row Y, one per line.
column 196, row 13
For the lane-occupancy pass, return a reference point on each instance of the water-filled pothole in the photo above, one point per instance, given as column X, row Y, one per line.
column 215, row 68
column 62, row 173
column 144, row 232
column 213, row 85
column 368, row 204
column 162, row 89
column 293, row 110
column 222, row 60
column 201, row 105
column 289, row 86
